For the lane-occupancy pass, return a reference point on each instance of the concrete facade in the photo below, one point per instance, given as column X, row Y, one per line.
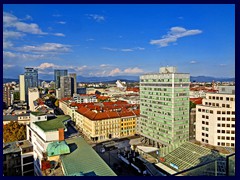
column 215, row 120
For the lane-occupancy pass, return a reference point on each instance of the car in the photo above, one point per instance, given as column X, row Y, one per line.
column 102, row 150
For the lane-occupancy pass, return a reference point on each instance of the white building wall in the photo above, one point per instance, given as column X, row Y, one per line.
column 215, row 120
column 22, row 87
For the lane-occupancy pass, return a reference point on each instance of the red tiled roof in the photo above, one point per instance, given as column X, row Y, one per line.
column 196, row 100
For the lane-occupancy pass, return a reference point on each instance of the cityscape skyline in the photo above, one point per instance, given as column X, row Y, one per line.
column 113, row 40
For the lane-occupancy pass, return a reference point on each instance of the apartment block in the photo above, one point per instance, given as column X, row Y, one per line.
column 215, row 120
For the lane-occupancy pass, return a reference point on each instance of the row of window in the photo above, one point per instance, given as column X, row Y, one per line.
column 226, row 131
column 217, row 104
column 225, row 144
column 221, row 98
column 225, row 119
column 218, row 112
column 226, row 138
column 226, row 125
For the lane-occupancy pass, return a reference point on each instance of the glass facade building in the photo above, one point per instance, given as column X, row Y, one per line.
column 164, row 107
column 57, row 74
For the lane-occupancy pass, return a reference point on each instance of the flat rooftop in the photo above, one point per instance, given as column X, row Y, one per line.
column 83, row 159
column 53, row 124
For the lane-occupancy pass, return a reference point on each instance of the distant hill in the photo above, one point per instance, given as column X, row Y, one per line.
column 113, row 79
column 209, row 79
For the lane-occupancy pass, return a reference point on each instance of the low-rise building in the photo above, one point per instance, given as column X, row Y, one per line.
column 18, row 158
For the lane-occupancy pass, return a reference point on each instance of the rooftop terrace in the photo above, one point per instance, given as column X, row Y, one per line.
column 53, row 124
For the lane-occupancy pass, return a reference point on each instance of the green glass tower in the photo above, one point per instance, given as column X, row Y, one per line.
column 164, row 107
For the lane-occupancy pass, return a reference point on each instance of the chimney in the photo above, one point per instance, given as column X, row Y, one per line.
column 61, row 134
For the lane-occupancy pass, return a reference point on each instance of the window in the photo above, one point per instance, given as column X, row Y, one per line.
column 232, row 144
column 223, row 125
column 203, row 134
column 203, row 116
column 223, row 119
column 211, row 111
column 232, row 138
column 228, row 112
column 227, row 98
column 223, row 112
column 218, row 143
column 223, row 137
column 233, row 112
column 233, row 125
column 228, row 131
column 207, row 117
column 219, row 119
column 223, row 131
column 223, row 144
column 233, row 119
column 218, row 131
column 206, row 123
column 228, row 138
column 223, row 105
column 228, row 125
column 221, row 98
column 219, row 125
column 232, row 132
column 199, row 110
column 203, row 122
column 231, row 99
column 218, row 112
column 217, row 98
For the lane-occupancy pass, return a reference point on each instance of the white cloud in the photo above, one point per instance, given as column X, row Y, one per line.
column 7, row 44
column 47, row 47
column 180, row 17
column 115, row 71
column 59, row 34
column 90, row 39
column 11, row 21
column 61, row 22
column 173, row 35
column 22, row 56
column 7, row 66
column 96, row 17
column 109, row 49
column 139, row 48
column 126, row 50
column 104, row 65
column 135, row 70
column 56, row 15
column 12, row 34
column 28, row 17
column 222, row 64
column 47, row 65
column 193, row 62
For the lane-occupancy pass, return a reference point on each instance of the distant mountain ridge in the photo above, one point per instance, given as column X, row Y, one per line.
column 130, row 79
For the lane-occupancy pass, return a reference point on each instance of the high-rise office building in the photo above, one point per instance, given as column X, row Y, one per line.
column 164, row 107
column 67, row 86
column 28, row 80
column 57, row 74
column 33, row 95
column 22, row 87
column 7, row 94
column 74, row 76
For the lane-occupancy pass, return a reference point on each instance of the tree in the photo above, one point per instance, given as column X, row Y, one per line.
column 14, row 131
column 192, row 105
column 16, row 95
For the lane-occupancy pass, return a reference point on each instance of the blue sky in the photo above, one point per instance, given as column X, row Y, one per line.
column 111, row 40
